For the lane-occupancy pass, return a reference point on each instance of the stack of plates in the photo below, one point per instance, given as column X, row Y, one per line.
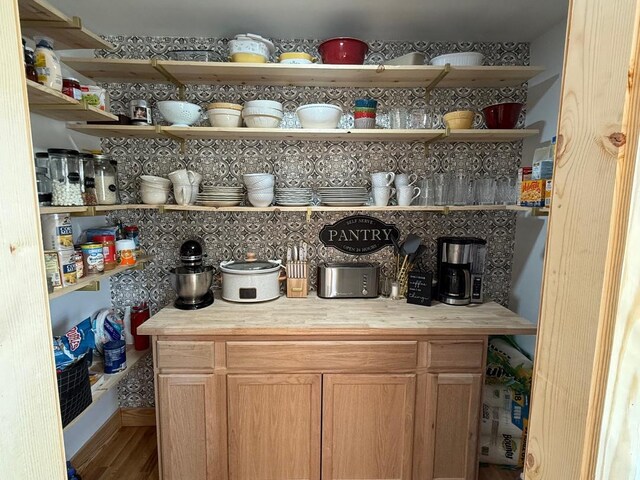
column 343, row 196
column 294, row 197
column 220, row 196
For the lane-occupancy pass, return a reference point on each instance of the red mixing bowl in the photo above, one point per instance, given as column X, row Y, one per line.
column 343, row 50
column 502, row 115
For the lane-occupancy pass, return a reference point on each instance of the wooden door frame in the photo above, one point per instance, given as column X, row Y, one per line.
column 597, row 148
column 31, row 442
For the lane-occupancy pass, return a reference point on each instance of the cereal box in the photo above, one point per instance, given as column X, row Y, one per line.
column 532, row 193
column 547, row 193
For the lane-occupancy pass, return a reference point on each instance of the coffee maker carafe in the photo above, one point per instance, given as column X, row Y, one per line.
column 460, row 269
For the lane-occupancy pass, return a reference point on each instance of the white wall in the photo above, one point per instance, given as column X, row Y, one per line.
column 543, row 101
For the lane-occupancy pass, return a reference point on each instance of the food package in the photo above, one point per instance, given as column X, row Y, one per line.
column 547, row 194
column 92, row 232
column 508, row 366
column 74, row 344
column 107, row 327
column 542, row 170
column 532, row 193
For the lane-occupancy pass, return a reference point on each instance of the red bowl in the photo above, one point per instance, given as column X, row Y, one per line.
column 502, row 115
column 343, row 50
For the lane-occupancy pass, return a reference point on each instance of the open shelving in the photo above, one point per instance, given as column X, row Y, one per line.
column 39, row 18
column 106, row 382
column 228, row 73
column 291, row 134
column 58, row 106
column 93, row 279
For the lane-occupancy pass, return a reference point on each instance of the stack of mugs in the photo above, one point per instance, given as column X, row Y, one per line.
column 405, row 190
column 260, row 188
column 364, row 113
column 154, row 190
column 186, row 185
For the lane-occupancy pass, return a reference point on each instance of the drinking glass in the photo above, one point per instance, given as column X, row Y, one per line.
column 460, row 188
column 398, row 118
column 418, row 118
column 506, row 191
column 441, row 188
column 486, row 190
column 426, row 197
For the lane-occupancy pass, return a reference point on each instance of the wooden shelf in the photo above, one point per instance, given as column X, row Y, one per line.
column 93, row 210
column 58, row 106
column 39, row 18
column 47, row 210
column 106, row 382
column 228, row 73
column 282, row 134
column 96, row 277
column 324, row 208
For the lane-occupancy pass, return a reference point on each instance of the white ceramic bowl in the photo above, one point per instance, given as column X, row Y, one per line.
column 264, row 185
column 153, row 180
column 296, row 61
column 154, row 197
column 150, row 188
column 180, row 114
column 251, row 179
column 459, row 59
column 262, row 111
column 262, row 121
column 248, row 46
column 319, row 115
column 262, row 190
column 264, row 103
column 260, row 199
column 224, row 117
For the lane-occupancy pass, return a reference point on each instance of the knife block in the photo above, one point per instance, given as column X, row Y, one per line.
column 298, row 286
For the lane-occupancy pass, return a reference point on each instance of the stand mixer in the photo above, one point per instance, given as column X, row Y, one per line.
column 192, row 280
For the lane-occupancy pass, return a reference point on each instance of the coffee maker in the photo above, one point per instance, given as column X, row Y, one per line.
column 461, row 263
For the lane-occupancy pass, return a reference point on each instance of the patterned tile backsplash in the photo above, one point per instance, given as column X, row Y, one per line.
column 296, row 163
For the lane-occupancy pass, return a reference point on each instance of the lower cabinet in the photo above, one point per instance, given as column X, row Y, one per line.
column 274, row 427
column 244, row 423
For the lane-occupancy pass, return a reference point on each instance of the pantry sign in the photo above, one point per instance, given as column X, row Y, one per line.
column 359, row 235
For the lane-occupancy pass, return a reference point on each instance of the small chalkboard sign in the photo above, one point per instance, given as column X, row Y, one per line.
column 419, row 288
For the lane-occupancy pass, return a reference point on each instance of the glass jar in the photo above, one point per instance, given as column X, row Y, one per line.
column 88, row 180
column 132, row 232
column 106, row 180
column 43, row 183
column 64, row 170
column 71, row 88
column 29, row 64
column 42, row 160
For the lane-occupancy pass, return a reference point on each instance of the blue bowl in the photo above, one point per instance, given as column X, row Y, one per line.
column 366, row 102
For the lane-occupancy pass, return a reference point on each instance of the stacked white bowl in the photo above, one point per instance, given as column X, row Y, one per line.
column 319, row 115
column 260, row 188
column 224, row 114
column 154, row 190
column 262, row 113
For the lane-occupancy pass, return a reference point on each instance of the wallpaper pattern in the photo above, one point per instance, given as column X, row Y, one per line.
column 230, row 235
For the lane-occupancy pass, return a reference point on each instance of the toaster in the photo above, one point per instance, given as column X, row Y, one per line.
column 348, row 280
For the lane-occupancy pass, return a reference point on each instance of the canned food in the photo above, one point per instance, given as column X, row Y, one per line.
column 79, row 262
column 57, row 232
column 66, row 267
column 93, row 257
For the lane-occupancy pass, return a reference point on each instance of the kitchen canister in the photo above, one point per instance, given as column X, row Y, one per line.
column 108, row 250
column 66, row 271
column 126, row 252
column 64, row 170
column 93, row 257
column 139, row 112
column 57, row 232
column 105, row 180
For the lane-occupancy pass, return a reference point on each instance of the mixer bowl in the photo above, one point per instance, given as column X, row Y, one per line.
column 192, row 287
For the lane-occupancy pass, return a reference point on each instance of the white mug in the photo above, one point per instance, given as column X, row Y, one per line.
column 404, row 179
column 382, row 179
column 195, row 189
column 180, row 177
column 407, row 194
column 194, row 177
column 182, row 192
column 381, row 195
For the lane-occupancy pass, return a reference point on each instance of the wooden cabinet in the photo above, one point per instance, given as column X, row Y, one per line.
column 367, row 426
column 452, row 408
column 186, row 419
column 301, row 409
column 274, row 427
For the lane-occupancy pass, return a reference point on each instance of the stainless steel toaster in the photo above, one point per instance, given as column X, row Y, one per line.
column 348, row 280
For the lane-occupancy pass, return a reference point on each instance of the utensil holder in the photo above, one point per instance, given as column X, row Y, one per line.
column 297, row 280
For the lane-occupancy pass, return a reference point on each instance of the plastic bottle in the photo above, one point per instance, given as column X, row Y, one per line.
column 48, row 64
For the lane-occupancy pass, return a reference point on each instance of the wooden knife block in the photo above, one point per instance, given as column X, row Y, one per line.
column 298, row 287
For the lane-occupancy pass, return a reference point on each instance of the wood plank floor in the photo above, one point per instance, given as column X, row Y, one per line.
column 131, row 455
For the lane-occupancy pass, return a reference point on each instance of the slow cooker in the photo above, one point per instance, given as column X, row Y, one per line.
column 250, row 280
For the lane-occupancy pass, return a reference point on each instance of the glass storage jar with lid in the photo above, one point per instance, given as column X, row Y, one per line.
column 106, row 182
column 88, row 180
column 42, row 160
column 43, row 182
column 64, row 170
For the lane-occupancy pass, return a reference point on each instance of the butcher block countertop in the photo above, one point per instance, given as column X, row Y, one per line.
column 322, row 317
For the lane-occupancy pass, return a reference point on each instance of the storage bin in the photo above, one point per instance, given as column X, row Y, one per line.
column 74, row 390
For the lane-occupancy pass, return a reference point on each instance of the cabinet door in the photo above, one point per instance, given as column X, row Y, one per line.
column 452, row 415
column 274, row 427
column 367, row 429
column 186, row 426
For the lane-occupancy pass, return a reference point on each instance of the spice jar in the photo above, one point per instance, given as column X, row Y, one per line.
column 105, row 180
column 71, row 88
column 88, row 179
column 93, row 258
column 140, row 112
column 64, row 170
column 108, row 250
column 132, row 232
column 43, row 182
